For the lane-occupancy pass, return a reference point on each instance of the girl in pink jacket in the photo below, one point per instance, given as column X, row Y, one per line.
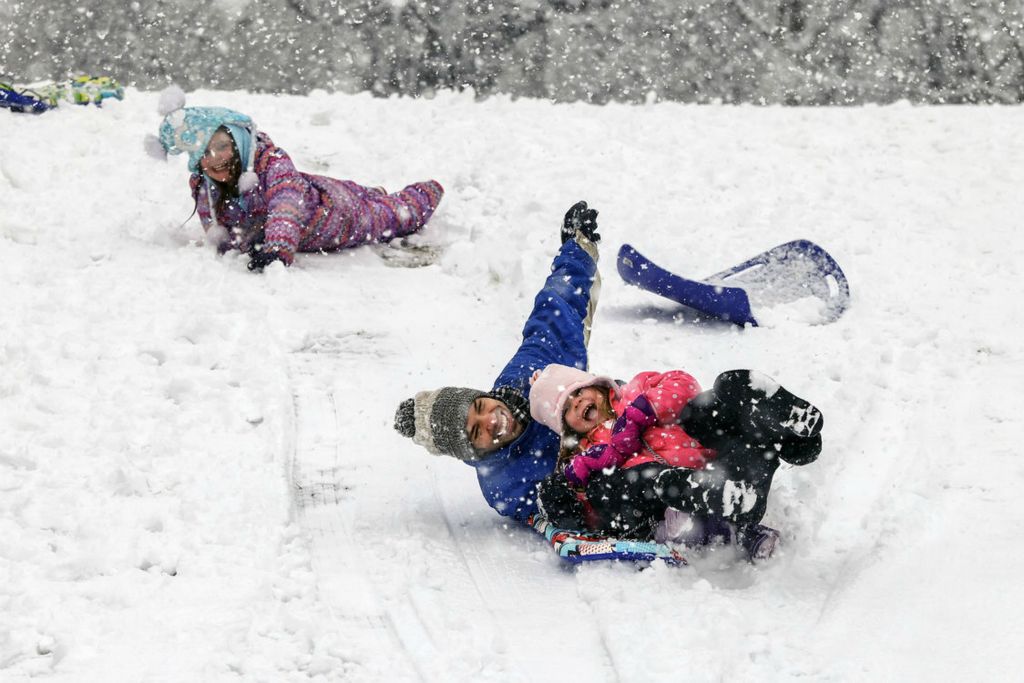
column 607, row 424
column 658, row 457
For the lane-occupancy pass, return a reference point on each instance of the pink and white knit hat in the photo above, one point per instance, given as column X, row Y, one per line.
column 552, row 387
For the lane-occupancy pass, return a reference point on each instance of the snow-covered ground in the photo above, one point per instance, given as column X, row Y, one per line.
column 199, row 480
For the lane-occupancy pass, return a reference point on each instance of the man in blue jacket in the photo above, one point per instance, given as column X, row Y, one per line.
column 492, row 430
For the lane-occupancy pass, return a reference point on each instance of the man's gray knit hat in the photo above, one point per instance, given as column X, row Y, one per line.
column 436, row 420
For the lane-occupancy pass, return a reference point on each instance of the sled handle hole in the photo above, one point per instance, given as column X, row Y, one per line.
column 833, row 285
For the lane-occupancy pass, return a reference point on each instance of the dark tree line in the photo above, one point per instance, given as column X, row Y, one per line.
column 760, row 51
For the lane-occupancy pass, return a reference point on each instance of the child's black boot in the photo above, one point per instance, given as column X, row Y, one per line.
column 758, row 542
column 763, row 407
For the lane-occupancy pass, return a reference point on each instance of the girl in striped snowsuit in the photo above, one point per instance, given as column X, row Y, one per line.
column 250, row 197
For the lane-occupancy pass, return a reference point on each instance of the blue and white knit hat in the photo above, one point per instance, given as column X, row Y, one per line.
column 189, row 129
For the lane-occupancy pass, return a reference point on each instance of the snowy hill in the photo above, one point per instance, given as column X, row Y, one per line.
column 198, row 475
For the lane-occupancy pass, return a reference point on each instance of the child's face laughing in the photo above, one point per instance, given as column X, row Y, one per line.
column 587, row 408
column 219, row 161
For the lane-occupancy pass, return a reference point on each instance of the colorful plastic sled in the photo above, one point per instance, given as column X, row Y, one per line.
column 577, row 546
column 785, row 274
column 80, row 90
column 39, row 97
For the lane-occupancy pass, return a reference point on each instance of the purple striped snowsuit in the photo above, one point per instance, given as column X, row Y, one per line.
column 292, row 211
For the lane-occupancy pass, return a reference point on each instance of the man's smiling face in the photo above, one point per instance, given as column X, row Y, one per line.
column 490, row 425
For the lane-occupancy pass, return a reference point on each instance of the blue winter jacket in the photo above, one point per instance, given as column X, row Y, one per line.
column 553, row 334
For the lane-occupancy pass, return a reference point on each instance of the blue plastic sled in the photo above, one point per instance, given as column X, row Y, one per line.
column 24, row 101
column 787, row 273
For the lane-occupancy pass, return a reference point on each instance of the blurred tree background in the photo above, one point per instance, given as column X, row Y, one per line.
column 801, row 52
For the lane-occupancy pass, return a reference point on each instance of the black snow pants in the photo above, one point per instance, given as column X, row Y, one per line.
column 750, row 426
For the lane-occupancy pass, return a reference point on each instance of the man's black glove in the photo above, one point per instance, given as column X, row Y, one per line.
column 260, row 258
column 579, row 220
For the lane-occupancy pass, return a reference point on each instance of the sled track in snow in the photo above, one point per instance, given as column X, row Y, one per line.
column 318, row 494
column 510, row 586
column 432, row 587
column 390, row 611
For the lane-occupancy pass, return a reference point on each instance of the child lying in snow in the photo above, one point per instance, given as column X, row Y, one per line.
column 658, row 458
column 250, row 196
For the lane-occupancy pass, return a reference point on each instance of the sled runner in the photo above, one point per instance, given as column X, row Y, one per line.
column 782, row 275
